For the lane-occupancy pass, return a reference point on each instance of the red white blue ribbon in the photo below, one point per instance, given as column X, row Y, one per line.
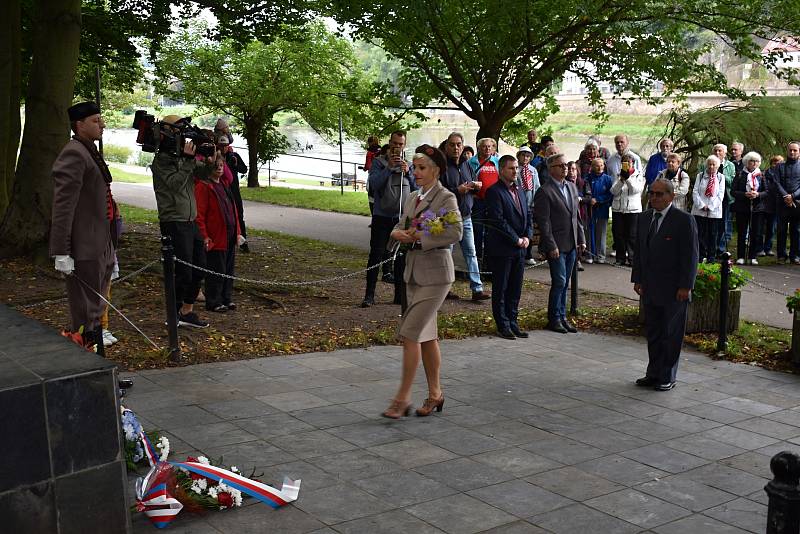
column 149, row 450
column 159, row 507
column 266, row 494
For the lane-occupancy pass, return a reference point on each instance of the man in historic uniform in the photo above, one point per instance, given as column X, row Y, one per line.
column 83, row 234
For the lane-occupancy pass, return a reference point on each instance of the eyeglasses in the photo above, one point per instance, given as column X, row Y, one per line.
column 563, row 166
column 657, row 193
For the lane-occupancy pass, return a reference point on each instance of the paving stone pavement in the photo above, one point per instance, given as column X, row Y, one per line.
column 547, row 434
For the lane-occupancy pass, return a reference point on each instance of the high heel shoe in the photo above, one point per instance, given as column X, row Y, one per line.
column 430, row 405
column 397, row 409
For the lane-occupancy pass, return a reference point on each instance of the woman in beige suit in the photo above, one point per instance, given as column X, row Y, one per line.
column 429, row 273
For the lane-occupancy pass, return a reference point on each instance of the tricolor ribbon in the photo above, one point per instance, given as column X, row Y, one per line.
column 156, row 503
column 149, row 450
column 266, row 494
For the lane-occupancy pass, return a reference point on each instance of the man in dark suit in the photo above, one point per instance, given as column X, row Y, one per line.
column 508, row 232
column 664, row 269
column 560, row 237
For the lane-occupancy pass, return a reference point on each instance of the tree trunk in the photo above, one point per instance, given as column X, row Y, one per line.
column 252, row 134
column 57, row 36
column 491, row 127
column 10, row 45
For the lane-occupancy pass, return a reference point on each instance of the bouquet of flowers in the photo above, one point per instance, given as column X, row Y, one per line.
column 205, row 492
column 140, row 444
column 431, row 223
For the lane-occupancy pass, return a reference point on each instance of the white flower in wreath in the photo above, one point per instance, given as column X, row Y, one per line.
column 163, row 448
column 196, row 487
column 202, row 483
column 203, row 460
column 235, row 469
column 130, row 435
column 237, row 496
column 212, row 492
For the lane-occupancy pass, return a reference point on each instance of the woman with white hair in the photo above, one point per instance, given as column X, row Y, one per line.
column 749, row 205
column 708, row 195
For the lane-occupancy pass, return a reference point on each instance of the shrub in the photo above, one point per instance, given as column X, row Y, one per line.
column 709, row 280
column 116, row 153
column 143, row 159
column 793, row 301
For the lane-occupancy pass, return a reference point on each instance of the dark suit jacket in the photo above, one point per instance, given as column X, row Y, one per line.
column 80, row 226
column 559, row 226
column 670, row 261
column 506, row 224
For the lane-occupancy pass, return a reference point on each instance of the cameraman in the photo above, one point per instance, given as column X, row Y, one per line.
column 174, row 168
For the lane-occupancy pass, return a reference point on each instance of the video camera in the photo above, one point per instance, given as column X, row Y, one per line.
column 176, row 134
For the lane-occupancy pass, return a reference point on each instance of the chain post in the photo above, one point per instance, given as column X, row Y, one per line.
column 168, row 257
column 724, row 296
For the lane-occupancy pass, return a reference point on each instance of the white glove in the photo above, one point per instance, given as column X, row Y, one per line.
column 65, row 264
column 115, row 271
column 240, row 240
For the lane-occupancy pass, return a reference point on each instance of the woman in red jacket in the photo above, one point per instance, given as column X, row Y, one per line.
column 219, row 226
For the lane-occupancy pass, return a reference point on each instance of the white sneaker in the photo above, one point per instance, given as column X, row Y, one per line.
column 754, row 262
column 613, row 254
column 740, row 261
column 108, row 338
column 530, row 261
column 589, row 260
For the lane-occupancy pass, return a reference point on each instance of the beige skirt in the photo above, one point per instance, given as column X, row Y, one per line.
column 419, row 321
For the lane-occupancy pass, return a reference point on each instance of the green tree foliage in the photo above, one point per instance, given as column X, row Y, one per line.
column 304, row 74
column 760, row 125
column 491, row 59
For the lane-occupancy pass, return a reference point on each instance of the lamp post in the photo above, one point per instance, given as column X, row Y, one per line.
column 341, row 148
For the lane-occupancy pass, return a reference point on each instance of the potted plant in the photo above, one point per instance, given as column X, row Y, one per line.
column 703, row 313
column 793, row 304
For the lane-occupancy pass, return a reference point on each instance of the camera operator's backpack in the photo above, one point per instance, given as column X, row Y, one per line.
column 394, row 192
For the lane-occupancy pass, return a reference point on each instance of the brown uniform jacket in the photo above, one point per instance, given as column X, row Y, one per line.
column 80, row 226
column 433, row 264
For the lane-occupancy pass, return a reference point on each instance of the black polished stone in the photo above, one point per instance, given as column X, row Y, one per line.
column 83, row 420
column 93, row 501
column 24, row 455
column 30, row 510
column 14, row 375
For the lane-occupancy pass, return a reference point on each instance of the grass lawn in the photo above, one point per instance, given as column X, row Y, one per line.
column 582, row 124
column 129, row 177
column 350, row 202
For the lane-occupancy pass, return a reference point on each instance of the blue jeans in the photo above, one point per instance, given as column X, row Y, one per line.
column 470, row 258
column 560, row 273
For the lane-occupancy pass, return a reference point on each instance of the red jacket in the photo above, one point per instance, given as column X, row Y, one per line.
column 210, row 219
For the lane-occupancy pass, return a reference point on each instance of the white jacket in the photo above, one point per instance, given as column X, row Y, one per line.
column 714, row 203
column 681, row 186
column 627, row 194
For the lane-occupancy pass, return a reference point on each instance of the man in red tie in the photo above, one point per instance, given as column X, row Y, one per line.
column 508, row 233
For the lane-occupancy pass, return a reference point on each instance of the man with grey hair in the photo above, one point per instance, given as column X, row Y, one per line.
column 614, row 163
column 737, row 155
column 664, row 271
column 561, row 237
column 786, row 177
column 658, row 161
column 532, row 143
column 458, row 180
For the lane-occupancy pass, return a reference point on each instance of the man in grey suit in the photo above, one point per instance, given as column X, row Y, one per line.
column 560, row 237
column 664, row 269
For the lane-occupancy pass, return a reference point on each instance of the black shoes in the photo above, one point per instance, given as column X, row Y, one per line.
column 218, row 308
column 191, row 319
column 388, row 278
column 230, row 305
column 481, row 295
column 556, row 327
column 568, row 327
column 452, row 296
column 506, row 334
column 650, row 382
column 367, row 302
column 245, row 248
column 517, row 332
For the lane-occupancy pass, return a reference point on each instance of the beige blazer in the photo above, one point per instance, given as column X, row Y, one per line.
column 433, row 265
column 80, row 226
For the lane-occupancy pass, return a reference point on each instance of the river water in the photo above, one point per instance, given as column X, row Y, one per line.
column 300, row 167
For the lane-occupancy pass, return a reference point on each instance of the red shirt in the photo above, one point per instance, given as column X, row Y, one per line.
column 488, row 175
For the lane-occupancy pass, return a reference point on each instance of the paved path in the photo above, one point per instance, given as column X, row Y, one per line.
column 543, row 435
column 758, row 304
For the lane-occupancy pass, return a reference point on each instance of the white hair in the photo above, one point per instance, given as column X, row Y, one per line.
column 485, row 140
column 720, row 145
column 591, row 142
column 737, row 143
column 747, row 158
column 713, row 158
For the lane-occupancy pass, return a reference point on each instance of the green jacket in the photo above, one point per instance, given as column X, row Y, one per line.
column 729, row 171
column 173, row 183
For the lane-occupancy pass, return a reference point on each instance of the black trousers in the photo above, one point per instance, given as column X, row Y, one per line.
column 749, row 224
column 237, row 199
column 379, row 234
column 708, row 236
column 507, row 275
column 218, row 288
column 666, row 326
column 623, row 229
column 794, row 236
column 188, row 247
